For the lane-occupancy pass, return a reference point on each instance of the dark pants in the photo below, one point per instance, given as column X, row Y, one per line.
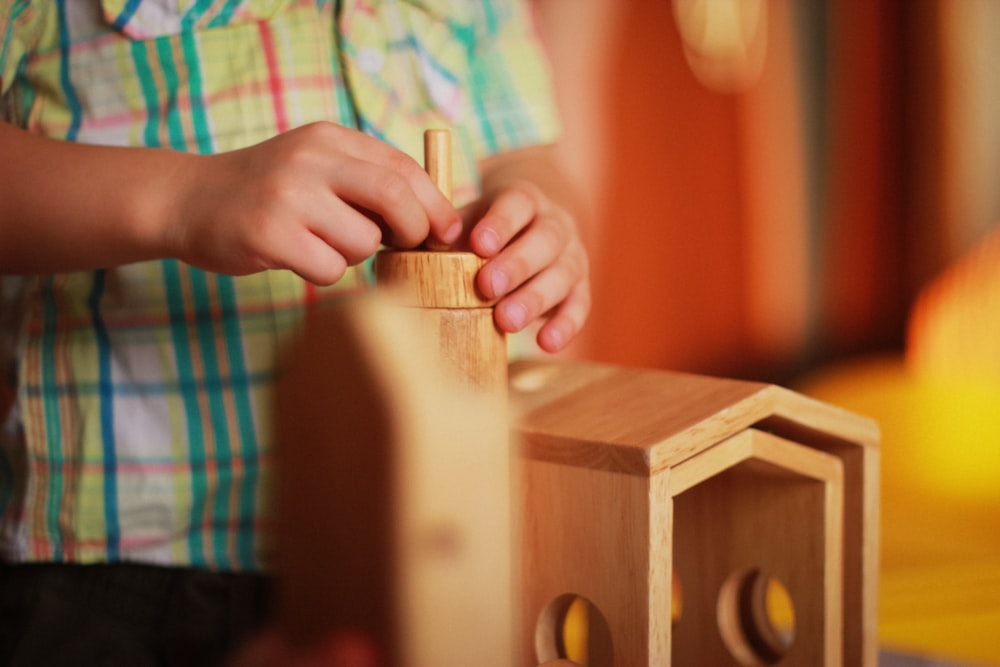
column 125, row 615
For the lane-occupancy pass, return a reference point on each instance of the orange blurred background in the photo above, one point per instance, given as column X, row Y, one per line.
column 764, row 230
column 774, row 185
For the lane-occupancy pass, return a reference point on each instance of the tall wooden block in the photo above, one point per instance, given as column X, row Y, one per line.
column 679, row 506
column 394, row 484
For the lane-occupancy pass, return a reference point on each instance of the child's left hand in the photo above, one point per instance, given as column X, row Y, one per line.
column 538, row 265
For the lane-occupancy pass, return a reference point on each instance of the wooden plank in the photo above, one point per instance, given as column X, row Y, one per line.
column 651, row 419
column 588, row 533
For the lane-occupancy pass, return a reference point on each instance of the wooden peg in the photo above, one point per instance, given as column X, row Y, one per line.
column 437, row 163
column 437, row 159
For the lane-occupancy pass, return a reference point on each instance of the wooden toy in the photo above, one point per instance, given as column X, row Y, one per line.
column 394, row 499
column 632, row 476
column 670, row 507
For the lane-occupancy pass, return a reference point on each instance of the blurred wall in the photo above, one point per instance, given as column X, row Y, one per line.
column 768, row 226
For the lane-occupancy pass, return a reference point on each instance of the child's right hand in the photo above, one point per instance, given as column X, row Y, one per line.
column 314, row 200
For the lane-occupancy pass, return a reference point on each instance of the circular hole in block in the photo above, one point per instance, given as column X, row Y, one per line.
column 572, row 628
column 756, row 617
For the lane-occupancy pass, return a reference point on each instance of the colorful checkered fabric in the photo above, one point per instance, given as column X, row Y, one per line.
column 141, row 427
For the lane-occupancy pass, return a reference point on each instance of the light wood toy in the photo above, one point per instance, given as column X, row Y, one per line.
column 670, row 519
column 638, row 483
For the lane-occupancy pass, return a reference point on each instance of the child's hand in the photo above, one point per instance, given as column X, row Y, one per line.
column 537, row 262
column 314, row 200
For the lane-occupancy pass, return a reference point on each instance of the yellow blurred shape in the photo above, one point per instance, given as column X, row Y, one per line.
column 939, row 591
column 780, row 611
column 575, row 631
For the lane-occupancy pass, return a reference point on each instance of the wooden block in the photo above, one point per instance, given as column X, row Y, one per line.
column 393, row 494
column 629, row 474
column 440, row 286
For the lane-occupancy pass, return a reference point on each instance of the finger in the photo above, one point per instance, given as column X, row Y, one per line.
column 537, row 248
column 566, row 321
column 352, row 233
column 507, row 216
column 540, row 294
column 355, row 234
column 388, row 194
column 310, row 257
column 295, row 241
column 443, row 222
column 324, row 268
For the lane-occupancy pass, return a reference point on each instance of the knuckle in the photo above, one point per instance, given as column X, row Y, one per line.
column 391, row 189
column 402, row 164
column 321, row 131
column 550, row 238
column 520, row 197
column 527, row 190
column 262, row 231
column 533, row 301
column 517, row 267
column 277, row 189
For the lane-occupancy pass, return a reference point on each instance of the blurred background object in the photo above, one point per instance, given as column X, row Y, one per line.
column 803, row 192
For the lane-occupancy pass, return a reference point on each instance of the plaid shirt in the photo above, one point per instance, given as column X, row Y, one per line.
column 140, row 428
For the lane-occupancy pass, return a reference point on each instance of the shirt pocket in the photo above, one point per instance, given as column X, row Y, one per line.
column 144, row 19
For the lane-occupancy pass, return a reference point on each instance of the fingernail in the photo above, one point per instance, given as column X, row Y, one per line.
column 452, row 233
column 556, row 339
column 490, row 241
column 516, row 315
column 499, row 283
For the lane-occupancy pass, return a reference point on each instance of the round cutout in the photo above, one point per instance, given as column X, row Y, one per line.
column 572, row 628
column 756, row 618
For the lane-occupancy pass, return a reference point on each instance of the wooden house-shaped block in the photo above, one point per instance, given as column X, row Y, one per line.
column 674, row 503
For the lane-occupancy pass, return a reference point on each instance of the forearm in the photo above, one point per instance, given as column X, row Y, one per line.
column 313, row 200
column 66, row 206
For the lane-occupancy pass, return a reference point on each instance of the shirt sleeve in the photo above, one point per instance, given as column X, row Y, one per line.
column 20, row 27
column 511, row 80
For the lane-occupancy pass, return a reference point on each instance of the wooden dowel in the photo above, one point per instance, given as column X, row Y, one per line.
column 437, row 159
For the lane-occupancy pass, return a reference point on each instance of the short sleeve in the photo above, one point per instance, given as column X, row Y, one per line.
column 20, row 29
column 511, row 80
